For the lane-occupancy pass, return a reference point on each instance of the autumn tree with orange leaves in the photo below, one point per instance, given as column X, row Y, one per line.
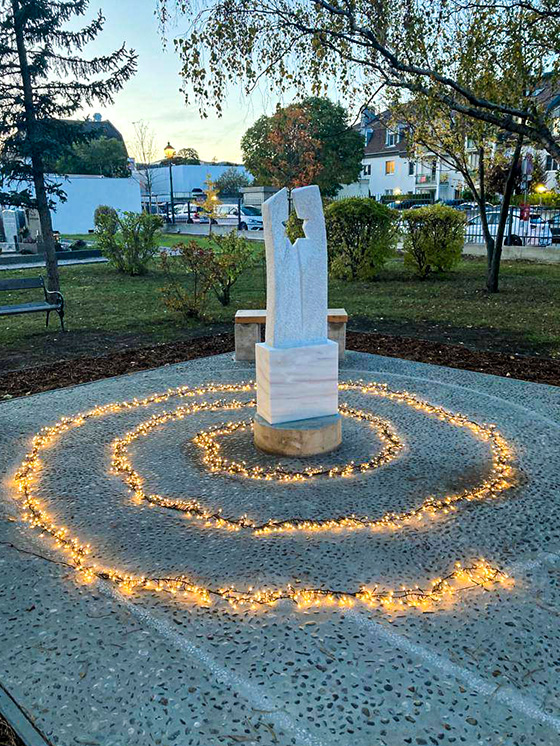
column 304, row 143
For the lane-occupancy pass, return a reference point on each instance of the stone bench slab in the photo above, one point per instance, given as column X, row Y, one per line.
column 249, row 322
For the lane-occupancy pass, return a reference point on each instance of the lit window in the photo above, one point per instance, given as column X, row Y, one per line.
column 389, row 167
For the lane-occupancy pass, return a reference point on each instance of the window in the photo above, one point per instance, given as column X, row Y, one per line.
column 391, row 138
column 551, row 163
column 366, row 169
column 389, row 167
column 411, row 168
column 472, row 161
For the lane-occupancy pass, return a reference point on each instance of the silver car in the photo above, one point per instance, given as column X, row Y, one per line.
column 518, row 232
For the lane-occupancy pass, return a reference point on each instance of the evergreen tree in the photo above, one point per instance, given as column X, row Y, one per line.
column 45, row 81
column 102, row 156
column 232, row 181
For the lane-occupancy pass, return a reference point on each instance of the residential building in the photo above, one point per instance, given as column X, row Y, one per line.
column 389, row 168
column 99, row 127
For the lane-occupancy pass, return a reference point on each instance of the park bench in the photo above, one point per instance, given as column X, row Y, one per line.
column 249, row 325
column 30, row 283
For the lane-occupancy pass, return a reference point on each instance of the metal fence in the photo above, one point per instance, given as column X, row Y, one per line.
column 189, row 210
column 525, row 226
column 530, row 225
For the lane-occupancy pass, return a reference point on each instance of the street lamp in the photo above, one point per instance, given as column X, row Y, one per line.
column 169, row 151
column 540, row 189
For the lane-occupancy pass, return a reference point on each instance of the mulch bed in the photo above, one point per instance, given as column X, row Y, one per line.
column 84, row 369
column 7, row 735
column 536, row 369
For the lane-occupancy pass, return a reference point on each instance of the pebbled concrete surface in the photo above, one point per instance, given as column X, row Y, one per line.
column 91, row 666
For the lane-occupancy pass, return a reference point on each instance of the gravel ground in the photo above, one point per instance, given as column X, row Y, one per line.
column 96, row 666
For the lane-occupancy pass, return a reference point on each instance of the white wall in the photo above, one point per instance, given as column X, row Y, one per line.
column 186, row 178
column 85, row 193
column 380, row 182
column 356, row 189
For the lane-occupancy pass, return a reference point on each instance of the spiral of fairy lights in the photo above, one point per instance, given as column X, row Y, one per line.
column 497, row 481
column 479, row 573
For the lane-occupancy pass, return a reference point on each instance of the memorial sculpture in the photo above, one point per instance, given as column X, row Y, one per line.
column 297, row 365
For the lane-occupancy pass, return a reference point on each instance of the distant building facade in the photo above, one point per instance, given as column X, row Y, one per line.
column 389, row 167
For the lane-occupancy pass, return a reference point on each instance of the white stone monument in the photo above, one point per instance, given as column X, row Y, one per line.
column 9, row 221
column 297, row 365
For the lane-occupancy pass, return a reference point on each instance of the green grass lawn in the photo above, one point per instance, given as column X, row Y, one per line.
column 104, row 308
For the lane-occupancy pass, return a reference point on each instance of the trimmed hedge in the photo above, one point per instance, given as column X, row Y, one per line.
column 361, row 235
column 433, row 238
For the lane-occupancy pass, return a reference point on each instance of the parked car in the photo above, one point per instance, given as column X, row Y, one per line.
column 554, row 224
column 249, row 219
column 456, row 203
column 195, row 211
column 534, row 232
column 157, row 209
column 473, row 207
column 407, row 204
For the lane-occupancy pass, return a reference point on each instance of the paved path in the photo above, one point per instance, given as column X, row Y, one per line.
column 93, row 665
column 61, row 263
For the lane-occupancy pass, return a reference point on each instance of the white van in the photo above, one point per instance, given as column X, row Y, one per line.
column 250, row 218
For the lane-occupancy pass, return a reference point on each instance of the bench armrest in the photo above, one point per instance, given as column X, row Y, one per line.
column 57, row 293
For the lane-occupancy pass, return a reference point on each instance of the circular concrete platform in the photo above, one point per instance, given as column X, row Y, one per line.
column 142, row 666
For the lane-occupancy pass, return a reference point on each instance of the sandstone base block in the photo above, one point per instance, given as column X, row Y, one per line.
column 300, row 438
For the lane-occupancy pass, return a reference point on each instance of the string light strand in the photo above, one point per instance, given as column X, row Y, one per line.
column 478, row 574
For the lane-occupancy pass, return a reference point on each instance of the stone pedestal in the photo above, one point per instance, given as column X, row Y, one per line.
column 337, row 333
column 297, row 383
column 300, row 438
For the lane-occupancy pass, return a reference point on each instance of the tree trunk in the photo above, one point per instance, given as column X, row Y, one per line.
column 37, row 165
column 51, row 261
column 488, row 238
column 492, row 280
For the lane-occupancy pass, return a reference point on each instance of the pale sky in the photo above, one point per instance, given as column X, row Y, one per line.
column 153, row 94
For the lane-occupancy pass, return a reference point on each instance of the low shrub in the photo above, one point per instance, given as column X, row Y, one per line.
column 362, row 236
column 548, row 199
column 433, row 238
column 105, row 210
column 128, row 240
column 197, row 270
column 190, row 276
column 231, row 256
